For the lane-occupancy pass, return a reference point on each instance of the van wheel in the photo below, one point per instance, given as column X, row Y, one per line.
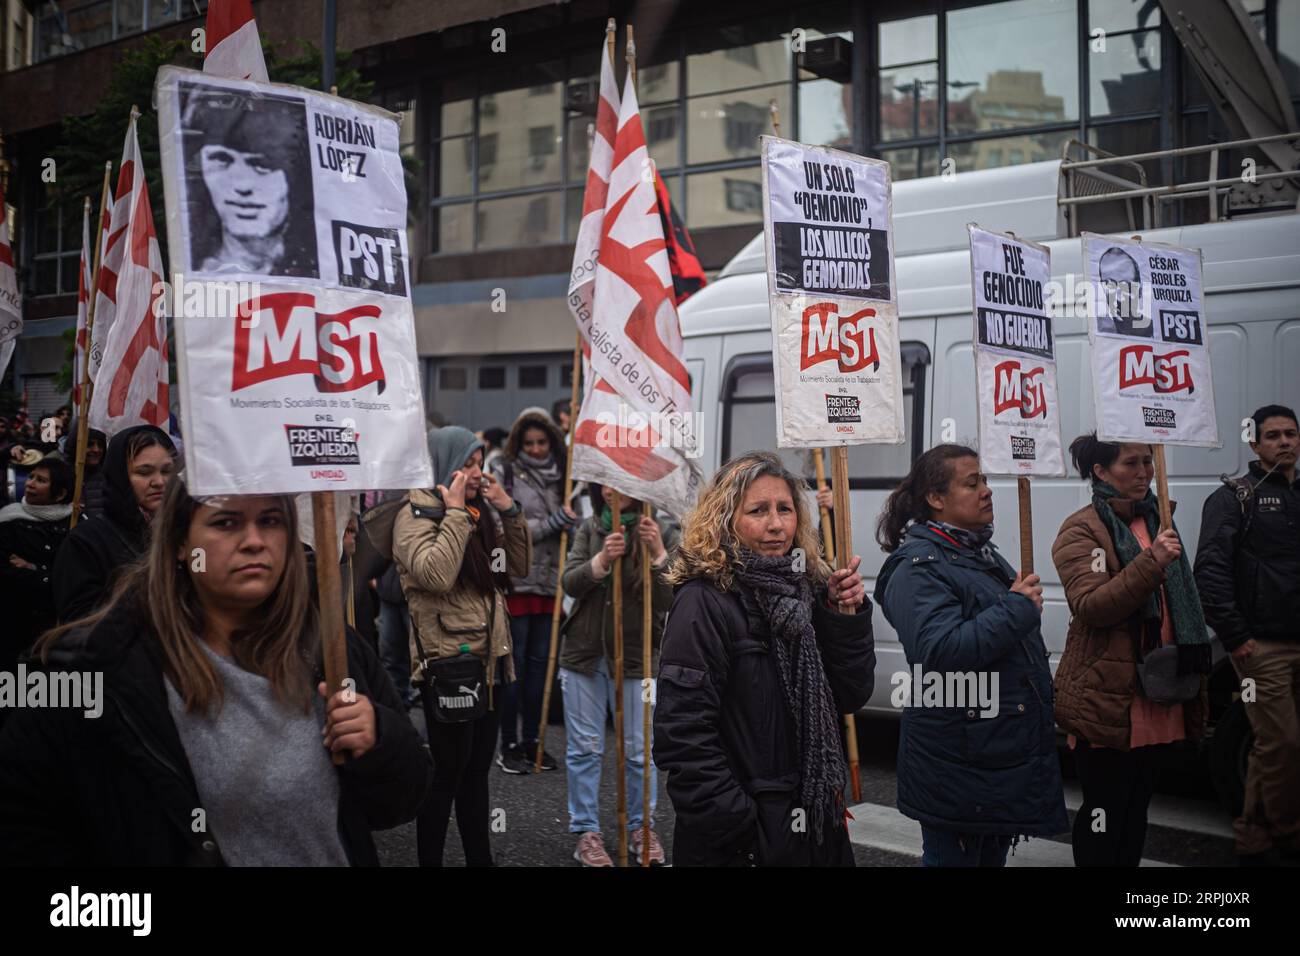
column 1229, row 753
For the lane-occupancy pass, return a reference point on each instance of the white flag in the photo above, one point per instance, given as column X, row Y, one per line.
column 133, row 388
column 233, row 44
column 586, row 253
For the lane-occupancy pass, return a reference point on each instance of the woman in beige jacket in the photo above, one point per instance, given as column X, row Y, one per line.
column 455, row 549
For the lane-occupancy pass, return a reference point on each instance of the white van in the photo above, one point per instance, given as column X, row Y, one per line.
column 1252, row 286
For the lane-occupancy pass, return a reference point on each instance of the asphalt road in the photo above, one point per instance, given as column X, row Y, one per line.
column 535, row 829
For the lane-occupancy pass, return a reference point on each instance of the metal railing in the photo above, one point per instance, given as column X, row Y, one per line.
column 1088, row 181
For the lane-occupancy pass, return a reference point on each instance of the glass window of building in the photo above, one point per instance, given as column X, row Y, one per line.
column 1123, row 50
column 1011, row 64
column 908, row 78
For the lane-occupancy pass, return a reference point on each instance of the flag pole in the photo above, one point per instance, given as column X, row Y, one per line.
column 647, row 615
column 828, row 537
column 620, row 757
column 557, row 611
column 83, row 410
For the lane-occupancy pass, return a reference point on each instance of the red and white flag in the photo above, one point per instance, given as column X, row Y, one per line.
column 586, row 252
column 129, row 338
column 234, row 47
column 635, row 430
column 82, row 343
column 11, row 306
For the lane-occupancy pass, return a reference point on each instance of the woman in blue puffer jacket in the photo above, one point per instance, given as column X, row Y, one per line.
column 977, row 764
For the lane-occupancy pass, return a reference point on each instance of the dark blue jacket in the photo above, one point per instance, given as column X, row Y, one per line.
column 958, row 770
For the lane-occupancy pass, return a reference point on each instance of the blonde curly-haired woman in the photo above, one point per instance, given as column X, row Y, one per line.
column 756, row 667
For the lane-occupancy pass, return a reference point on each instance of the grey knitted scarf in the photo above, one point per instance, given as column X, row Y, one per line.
column 783, row 597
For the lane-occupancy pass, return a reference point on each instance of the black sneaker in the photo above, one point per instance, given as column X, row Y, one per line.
column 513, row 760
column 530, row 751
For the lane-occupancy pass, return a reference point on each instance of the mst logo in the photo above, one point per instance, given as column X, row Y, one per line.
column 1142, row 365
column 294, row 339
column 313, row 446
column 831, row 337
column 1013, row 387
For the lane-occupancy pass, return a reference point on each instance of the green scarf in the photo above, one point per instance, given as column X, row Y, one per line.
column 1190, row 634
column 626, row 518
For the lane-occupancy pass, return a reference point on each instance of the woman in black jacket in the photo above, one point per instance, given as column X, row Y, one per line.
column 206, row 672
column 31, row 532
column 137, row 465
column 756, row 668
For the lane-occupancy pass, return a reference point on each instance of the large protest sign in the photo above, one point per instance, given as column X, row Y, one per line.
column 831, row 292
column 286, row 221
column 1015, row 356
column 1150, row 343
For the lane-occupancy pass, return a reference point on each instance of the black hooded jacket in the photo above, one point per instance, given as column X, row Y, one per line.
column 99, row 548
column 118, row 790
column 1248, row 559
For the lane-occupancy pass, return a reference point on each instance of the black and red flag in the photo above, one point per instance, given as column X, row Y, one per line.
column 688, row 274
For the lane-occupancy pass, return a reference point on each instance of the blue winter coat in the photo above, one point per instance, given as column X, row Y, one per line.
column 958, row 770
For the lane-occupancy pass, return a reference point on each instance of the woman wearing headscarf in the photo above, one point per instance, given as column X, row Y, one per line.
column 92, row 480
column 213, row 731
column 758, row 663
column 455, row 549
column 1131, row 591
column 137, row 466
column 31, row 532
column 975, row 773
column 531, row 470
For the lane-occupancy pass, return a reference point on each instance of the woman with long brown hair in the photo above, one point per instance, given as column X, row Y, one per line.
column 455, row 549
column 209, row 656
column 757, row 665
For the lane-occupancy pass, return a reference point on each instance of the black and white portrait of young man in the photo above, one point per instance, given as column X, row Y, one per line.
column 248, row 183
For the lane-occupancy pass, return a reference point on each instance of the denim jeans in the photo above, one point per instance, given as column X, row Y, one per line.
column 531, row 636
column 395, row 648
column 586, row 702
column 948, row 848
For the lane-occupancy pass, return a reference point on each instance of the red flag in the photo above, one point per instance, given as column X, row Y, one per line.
column 11, row 308
column 133, row 389
column 82, row 344
column 688, row 274
column 233, row 44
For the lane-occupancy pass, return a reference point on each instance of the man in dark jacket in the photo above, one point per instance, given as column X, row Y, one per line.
column 1248, row 575
column 118, row 790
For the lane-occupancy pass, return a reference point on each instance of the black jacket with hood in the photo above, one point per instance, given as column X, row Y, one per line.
column 1248, row 559
column 117, row 789
column 98, row 549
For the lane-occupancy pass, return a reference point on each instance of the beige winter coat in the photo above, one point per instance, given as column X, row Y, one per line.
column 428, row 547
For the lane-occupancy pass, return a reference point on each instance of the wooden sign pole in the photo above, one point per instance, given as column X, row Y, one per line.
column 843, row 555
column 329, row 590
column 828, row 536
column 1162, row 488
column 1026, row 527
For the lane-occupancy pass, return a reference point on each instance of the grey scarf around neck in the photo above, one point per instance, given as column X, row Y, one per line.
column 783, row 597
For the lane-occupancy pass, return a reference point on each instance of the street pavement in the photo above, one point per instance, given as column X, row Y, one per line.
column 1187, row 826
